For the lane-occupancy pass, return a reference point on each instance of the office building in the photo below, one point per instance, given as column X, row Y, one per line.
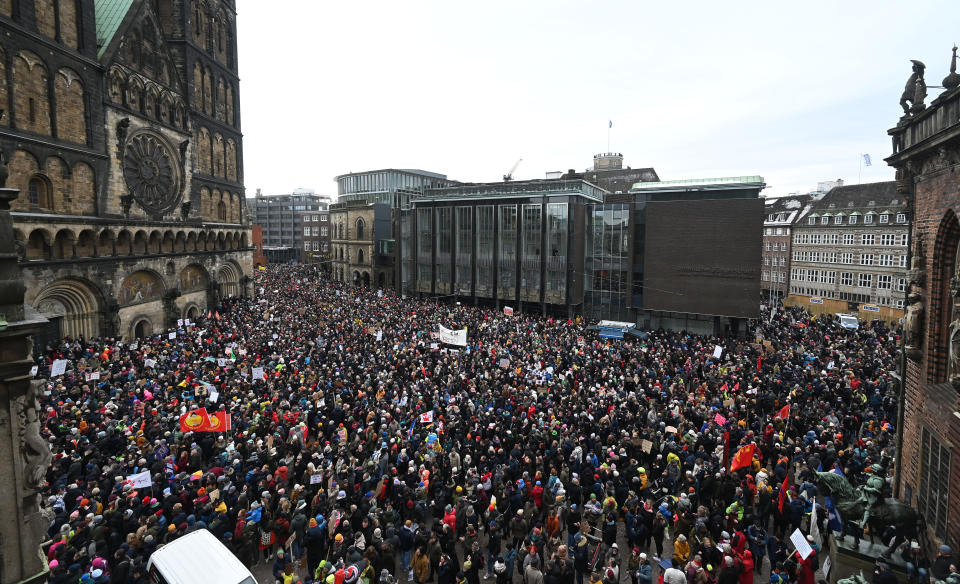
column 316, row 237
column 280, row 218
column 849, row 253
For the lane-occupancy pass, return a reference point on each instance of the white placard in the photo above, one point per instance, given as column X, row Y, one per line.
column 187, row 322
column 258, row 373
column 800, row 542
column 221, row 362
column 717, row 351
column 149, row 362
column 33, row 371
column 315, row 479
column 59, row 368
column 95, row 376
column 276, row 336
column 172, row 335
column 214, row 395
column 179, row 322
column 139, row 480
column 826, row 567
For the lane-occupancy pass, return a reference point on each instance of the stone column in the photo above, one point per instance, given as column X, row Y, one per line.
column 24, row 454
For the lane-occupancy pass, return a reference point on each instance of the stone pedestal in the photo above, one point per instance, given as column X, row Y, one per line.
column 24, row 454
column 847, row 559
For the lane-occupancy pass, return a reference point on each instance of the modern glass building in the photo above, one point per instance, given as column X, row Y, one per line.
column 393, row 187
column 516, row 244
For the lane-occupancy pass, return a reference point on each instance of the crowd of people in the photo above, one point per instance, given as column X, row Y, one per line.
column 362, row 448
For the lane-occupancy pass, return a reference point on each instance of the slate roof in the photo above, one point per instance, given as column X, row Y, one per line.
column 109, row 16
column 883, row 194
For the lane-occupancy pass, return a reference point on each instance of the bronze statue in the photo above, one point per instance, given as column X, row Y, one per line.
column 879, row 513
column 914, row 88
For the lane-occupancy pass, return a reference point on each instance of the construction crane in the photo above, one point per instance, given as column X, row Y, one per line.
column 509, row 175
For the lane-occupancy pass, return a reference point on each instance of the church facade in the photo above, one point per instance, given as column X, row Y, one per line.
column 121, row 129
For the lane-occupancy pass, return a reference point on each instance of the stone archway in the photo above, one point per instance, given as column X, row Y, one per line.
column 76, row 304
column 142, row 329
column 228, row 276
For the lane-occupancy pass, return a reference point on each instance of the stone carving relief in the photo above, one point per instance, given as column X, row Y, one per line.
column 35, row 450
column 913, row 322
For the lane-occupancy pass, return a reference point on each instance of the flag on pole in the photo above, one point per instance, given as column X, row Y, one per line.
column 743, row 458
column 814, row 528
column 611, row 125
column 834, row 522
column 412, row 426
column 782, row 494
column 783, row 414
column 866, row 160
column 426, row 418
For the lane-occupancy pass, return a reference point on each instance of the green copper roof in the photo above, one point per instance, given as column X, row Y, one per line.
column 110, row 14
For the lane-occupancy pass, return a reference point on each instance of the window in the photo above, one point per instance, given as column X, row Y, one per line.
column 764, row 276
column 782, row 276
column 846, row 278
column 815, row 238
column 306, row 231
column 39, row 193
column 885, row 260
column 884, row 281
column 838, row 220
column 865, row 280
column 868, row 219
column 221, row 211
column 830, row 258
column 324, row 217
column 324, row 231
column 846, row 258
column 783, row 261
column 866, row 239
column 359, row 256
column 316, row 246
column 902, row 239
column 901, row 284
column 902, row 261
column 898, row 304
column 884, row 218
column 766, row 260
column 934, row 492
column 847, row 239
column 781, row 217
column 306, row 246
column 360, row 229
column 866, row 259
column 835, row 239
column 887, row 238
column 831, row 277
column 781, row 231
column 767, row 246
column 315, row 218
column 853, row 219
column 814, row 256
column 812, row 221
column 796, row 238
column 901, row 218
column 768, row 231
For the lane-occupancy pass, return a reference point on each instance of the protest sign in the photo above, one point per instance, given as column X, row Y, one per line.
column 58, row 368
column 799, row 541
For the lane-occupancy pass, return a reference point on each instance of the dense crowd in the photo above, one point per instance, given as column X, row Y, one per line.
column 538, row 453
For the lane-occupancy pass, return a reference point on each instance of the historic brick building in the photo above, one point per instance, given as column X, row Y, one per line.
column 926, row 154
column 122, row 132
column 849, row 253
column 777, row 227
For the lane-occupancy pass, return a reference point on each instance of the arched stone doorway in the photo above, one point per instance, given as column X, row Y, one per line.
column 356, row 278
column 366, row 279
column 228, row 276
column 192, row 313
column 142, row 329
column 74, row 304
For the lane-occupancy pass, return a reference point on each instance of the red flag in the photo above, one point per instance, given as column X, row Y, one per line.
column 736, row 387
column 759, row 362
column 195, row 421
column 782, row 495
column 783, row 414
column 743, row 458
column 723, row 388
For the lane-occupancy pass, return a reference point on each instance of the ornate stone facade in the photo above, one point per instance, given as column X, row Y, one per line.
column 122, row 132
column 926, row 155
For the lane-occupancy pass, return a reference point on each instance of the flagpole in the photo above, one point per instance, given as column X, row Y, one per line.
column 609, row 125
column 859, row 168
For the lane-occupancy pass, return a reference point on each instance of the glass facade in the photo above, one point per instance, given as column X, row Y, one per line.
column 608, row 262
column 557, row 239
column 485, row 249
column 424, row 249
column 464, row 263
column 507, row 273
column 444, row 249
column 530, row 266
column 406, row 253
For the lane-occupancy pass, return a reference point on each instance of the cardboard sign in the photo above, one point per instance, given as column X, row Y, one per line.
column 728, row 402
column 646, row 445
column 58, row 368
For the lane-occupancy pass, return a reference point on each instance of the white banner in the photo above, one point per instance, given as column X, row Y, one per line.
column 258, row 373
column 139, row 480
column 452, row 337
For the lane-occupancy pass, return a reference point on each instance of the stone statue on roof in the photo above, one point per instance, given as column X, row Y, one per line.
column 915, row 90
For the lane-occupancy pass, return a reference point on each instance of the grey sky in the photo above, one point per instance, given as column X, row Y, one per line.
column 792, row 91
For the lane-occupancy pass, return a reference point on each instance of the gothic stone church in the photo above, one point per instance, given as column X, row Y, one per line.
column 121, row 129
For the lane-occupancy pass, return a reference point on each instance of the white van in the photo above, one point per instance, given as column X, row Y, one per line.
column 197, row 558
column 849, row 321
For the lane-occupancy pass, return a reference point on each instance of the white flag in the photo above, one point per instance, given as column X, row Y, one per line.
column 814, row 528
column 866, row 160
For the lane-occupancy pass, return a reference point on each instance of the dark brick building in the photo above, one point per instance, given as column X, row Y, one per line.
column 926, row 155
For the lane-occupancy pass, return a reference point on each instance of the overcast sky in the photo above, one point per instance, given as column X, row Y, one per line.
column 792, row 91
